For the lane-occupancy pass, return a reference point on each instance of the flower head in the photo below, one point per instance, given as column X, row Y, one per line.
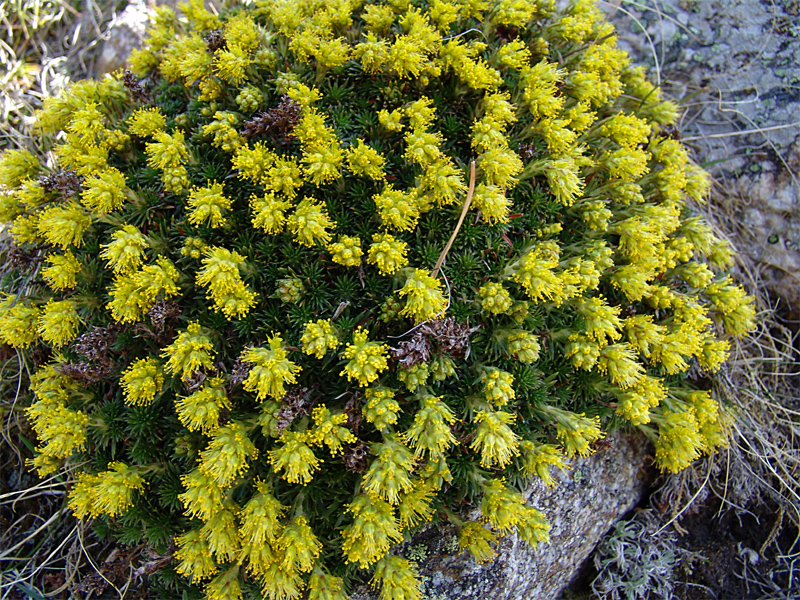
column 269, row 370
column 366, row 359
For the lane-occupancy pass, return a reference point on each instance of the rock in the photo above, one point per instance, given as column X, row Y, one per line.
column 736, row 64
column 125, row 33
column 586, row 501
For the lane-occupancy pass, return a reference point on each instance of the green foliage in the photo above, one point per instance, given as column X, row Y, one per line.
column 251, row 349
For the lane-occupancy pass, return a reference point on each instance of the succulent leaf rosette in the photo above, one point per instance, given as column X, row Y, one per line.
column 311, row 274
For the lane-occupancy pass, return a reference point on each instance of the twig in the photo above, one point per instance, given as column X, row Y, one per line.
column 460, row 220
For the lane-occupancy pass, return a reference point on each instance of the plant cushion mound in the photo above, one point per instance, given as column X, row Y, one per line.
column 312, row 274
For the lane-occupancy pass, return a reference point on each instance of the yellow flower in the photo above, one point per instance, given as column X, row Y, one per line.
column 225, row 457
column 58, row 322
column 347, row 251
column 64, row 224
column 416, row 506
column 619, row 361
column 310, row 223
column 16, row 166
column 373, row 531
column 319, row 337
column 425, row 298
column 224, row 129
column 260, row 517
column 194, row 556
column 523, row 345
column 388, row 253
column 225, row 586
column 269, row 213
column 391, row 120
column 322, row 586
column 534, row 272
column 398, row 578
column 538, row 458
column 142, row 382
column 105, row 191
column 19, row 322
column 61, row 272
column 145, row 122
column 397, row 209
column 114, row 489
column 493, row 203
column 190, row 351
column 414, row 376
column 635, row 403
column 381, row 409
column 269, row 370
column 207, row 205
column 389, row 474
column 430, row 431
column 679, row 442
column 299, row 545
column 365, row 160
column 167, row 151
column 295, row 458
column 575, row 431
column 494, row 439
column 328, row 430
column 601, row 321
column 498, row 386
column 124, row 253
column 366, row 359
column 222, row 535
column 477, row 540
column 203, row 498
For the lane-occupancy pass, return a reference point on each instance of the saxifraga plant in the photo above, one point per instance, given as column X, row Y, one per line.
column 319, row 272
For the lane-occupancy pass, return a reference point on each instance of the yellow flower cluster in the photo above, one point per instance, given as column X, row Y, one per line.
column 191, row 350
column 170, row 154
column 61, row 430
column 498, row 386
column 134, row 293
column 63, row 225
column 61, row 272
column 295, row 457
column 270, row 370
column 146, row 122
column 124, row 253
column 310, row 223
column 208, row 206
column 388, row 253
column 430, row 433
column 59, row 322
column 494, row 439
column 108, row 493
column 142, row 381
column 424, row 297
column 538, row 458
column 224, row 131
column 220, row 275
column 414, row 376
column 319, row 337
column 365, row 359
column 505, row 509
column 200, row 411
column 19, row 322
column 347, row 251
column 381, row 408
column 105, row 192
